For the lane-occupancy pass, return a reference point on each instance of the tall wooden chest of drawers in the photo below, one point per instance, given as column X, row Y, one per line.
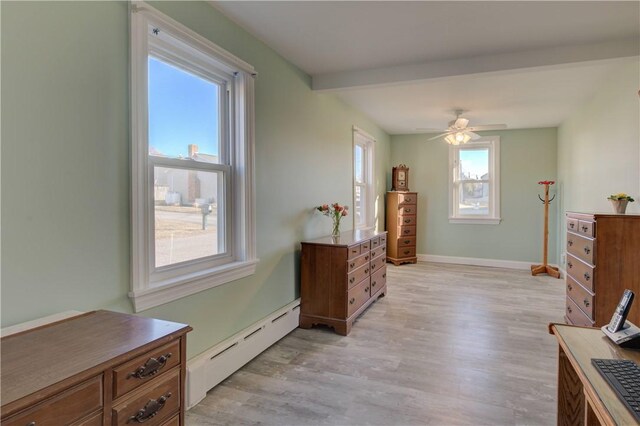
column 99, row 368
column 402, row 211
column 341, row 277
column 603, row 259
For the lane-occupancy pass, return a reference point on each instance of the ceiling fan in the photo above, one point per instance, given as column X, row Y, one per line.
column 459, row 131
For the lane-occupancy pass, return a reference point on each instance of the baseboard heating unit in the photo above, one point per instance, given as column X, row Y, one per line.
column 217, row 363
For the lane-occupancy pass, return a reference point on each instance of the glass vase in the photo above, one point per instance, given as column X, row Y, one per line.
column 335, row 231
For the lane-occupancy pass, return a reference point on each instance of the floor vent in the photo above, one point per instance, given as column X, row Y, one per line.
column 216, row 364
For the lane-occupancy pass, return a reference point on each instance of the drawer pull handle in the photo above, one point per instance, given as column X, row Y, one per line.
column 351, row 280
column 150, row 368
column 384, row 248
column 569, row 287
column 407, row 210
column 407, row 241
column 366, row 289
column 366, row 257
column 351, row 265
column 407, row 231
column 572, row 225
column 150, row 409
column 586, row 303
column 384, row 275
column 407, row 220
column 570, row 265
column 584, row 229
column 366, row 271
column 569, row 309
column 407, row 252
column 373, row 284
column 570, row 243
column 587, row 277
column 587, row 250
column 352, row 301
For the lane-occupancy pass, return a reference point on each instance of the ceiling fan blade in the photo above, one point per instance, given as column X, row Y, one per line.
column 439, row 136
column 474, row 136
column 488, row 127
column 461, row 123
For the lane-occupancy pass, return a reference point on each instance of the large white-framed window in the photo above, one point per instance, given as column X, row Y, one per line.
column 474, row 182
column 363, row 179
column 192, row 209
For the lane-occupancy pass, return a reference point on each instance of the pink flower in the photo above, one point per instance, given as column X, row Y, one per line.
column 546, row 182
column 345, row 212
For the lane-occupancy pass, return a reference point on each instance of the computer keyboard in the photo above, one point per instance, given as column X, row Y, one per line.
column 624, row 378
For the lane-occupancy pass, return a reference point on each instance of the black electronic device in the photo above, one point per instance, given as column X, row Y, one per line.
column 623, row 376
column 622, row 310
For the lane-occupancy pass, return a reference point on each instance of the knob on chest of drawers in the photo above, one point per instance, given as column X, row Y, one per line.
column 351, row 280
column 587, row 276
column 407, row 220
column 384, row 275
column 572, row 225
column 569, row 309
column 150, row 409
column 352, row 264
column 406, row 231
column 407, row 251
column 150, row 368
column 407, row 210
column 570, row 265
column 352, row 301
column 373, row 284
column 366, row 271
column 587, row 250
column 586, row 303
column 569, row 287
column 366, row 289
column 584, row 228
column 570, row 243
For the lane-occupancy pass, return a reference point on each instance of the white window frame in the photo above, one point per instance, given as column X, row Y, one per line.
column 493, row 218
column 367, row 186
column 181, row 46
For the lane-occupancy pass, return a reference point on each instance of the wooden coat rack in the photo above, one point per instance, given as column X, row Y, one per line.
column 546, row 268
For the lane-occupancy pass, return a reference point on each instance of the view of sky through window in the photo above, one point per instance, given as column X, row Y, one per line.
column 474, row 163
column 183, row 110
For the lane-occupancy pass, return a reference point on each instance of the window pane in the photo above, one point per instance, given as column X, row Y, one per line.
column 184, row 114
column 189, row 219
column 474, row 164
column 474, row 199
column 358, row 164
column 359, row 214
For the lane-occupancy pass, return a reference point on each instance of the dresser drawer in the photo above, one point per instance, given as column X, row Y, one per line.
column 406, row 241
column 406, row 230
column 94, row 420
column 375, row 242
column 357, row 296
column 358, row 261
column 581, row 297
column 354, row 251
column 406, row 220
column 383, row 240
column 583, row 273
column 174, row 421
column 406, row 252
column 64, row 408
column 586, row 227
column 140, row 370
column 572, row 224
column 358, row 275
column 378, row 251
column 581, row 247
column 379, row 279
column 366, row 246
column 575, row 315
column 378, row 263
column 160, row 396
column 407, row 210
column 404, row 199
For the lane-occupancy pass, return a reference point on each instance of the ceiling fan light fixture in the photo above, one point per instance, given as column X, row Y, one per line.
column 457, row 138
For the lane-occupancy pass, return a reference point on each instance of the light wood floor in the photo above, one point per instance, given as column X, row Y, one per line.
column 449, row 345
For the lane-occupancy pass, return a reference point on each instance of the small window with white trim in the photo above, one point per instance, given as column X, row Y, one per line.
column 192, row 162
column 474, row 181
column 363, row 181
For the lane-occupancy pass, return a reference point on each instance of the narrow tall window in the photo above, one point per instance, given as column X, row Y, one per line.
column 363, row 173
column 474, row 180
column 192, row 162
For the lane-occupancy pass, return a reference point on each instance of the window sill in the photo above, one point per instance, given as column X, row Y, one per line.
column 476, row 220
column 148, row 298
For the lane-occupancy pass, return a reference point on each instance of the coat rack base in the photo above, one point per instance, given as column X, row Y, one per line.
column 552, row 271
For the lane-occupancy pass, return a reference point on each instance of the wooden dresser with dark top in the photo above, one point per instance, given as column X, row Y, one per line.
column 99, row 368
column 603, row 259
column 402, row 211
column 341, row 277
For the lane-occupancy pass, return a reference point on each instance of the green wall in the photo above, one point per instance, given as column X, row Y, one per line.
column 599, row 147
column 526, row 157
column 66, row 178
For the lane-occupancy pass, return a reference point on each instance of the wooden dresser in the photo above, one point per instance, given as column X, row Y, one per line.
column 99, row 368
column 603, row 259
column 340, row 278
column 402, row 210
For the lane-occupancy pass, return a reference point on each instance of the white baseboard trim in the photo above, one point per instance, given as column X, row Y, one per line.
column 220, row 361
column 477, row 261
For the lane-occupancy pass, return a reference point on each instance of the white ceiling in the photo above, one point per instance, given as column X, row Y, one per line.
column 408, row 64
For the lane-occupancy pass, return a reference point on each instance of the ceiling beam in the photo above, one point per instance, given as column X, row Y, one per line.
column 560, row 55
